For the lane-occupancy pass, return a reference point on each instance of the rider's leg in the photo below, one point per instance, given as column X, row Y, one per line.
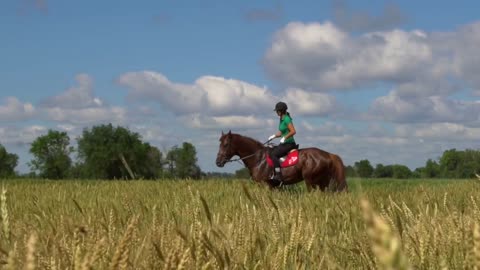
column 277, row 152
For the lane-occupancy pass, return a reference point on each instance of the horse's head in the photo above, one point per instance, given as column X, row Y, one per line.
column 225, row 150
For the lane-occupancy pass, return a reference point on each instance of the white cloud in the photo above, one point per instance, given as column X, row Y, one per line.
column 224, row 101
column 228, row 96
column 227, row 122
column 159, row 135
column 213, row 95
column 322, row 57
column 422, row 69
column 439, row 132
column 14, row 110
column 149, row 85
column 85, row 116
column 21, row 135
column 305, row 103
column 399, row 109
column 462, row 45
column 78, row 105
column 426, row 87
column 242, row 122
column 80, row 96
column 326, row 129
column 67, row 127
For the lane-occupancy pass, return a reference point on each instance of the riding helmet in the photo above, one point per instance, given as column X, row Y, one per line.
column 281, row 106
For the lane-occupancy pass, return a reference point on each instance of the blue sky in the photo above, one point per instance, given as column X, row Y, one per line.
column 391, row 82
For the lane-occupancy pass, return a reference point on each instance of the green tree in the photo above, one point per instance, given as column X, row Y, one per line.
column 470, row 164
column 363, row 168
column 153, row 166
column 8, row 162
column 431, row 169
column 78, row 171
column 401, row 171
column 51, row 154
column 418, row 172
column 108, row 152
column 182, row 162
column 450, row 163
column 453, row 164
column 350, row 171
column 382, row 171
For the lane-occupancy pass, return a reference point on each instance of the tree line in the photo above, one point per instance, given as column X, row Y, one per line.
column 109, row 152
column 103, row 152
column 457, row 164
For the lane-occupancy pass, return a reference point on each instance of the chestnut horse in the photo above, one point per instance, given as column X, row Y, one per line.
column 318, row 168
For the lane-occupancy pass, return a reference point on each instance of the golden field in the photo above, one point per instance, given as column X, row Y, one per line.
column 236, row 224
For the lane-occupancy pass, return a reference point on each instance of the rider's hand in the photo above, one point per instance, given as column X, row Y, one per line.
column 272, row 137
column 282, row 140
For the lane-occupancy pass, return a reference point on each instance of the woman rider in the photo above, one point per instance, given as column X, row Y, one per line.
column 286, row 130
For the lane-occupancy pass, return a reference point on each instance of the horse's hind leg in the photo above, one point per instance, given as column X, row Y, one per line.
column 317, row 183
column 314, row 186
column 314, row 181
column 309, row 185
column 311, row 182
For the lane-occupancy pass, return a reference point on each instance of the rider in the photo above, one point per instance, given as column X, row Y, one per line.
column 287, row 142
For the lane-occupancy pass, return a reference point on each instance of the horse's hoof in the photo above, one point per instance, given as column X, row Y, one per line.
column 275, row 182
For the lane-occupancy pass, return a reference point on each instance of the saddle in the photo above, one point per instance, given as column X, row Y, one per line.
column 288, row 160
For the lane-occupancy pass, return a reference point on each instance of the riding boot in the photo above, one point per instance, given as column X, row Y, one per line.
column 277, row 175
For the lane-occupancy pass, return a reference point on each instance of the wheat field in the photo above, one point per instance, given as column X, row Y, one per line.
column 236, row 224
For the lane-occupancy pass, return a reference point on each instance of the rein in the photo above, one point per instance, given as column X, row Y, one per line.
column 251, row 155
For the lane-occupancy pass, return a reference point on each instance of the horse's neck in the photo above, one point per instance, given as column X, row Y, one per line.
column 249, row 150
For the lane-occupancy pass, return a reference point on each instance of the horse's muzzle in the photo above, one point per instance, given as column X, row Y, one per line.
column 221, row 160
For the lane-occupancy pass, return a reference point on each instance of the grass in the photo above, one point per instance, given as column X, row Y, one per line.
column 218, row 224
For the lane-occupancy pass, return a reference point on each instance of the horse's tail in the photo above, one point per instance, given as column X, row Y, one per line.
column 339, row 182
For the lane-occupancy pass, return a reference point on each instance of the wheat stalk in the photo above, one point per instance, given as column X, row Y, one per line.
column 30, row 259
column 184, row 259
column 110, row 226
column 11, row 260
column 76, row 249
column 385, row 245
column 120, row 258
column 476, row 246
column 90, row 260
column 52, row 264
column 4, row 213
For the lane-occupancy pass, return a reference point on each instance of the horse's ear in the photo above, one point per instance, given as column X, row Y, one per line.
column 222, row 133
column 229, row 132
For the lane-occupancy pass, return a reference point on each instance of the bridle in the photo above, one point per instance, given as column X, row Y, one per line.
column 245, row 157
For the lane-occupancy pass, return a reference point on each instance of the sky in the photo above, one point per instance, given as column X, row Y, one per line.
column 392, row 82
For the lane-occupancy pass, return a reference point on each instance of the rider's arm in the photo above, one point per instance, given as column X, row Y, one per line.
column 291, row 130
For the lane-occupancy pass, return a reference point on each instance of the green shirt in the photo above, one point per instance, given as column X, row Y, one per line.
column 283, row 127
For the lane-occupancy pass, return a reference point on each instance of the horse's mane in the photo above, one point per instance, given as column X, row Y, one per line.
column 257, row 143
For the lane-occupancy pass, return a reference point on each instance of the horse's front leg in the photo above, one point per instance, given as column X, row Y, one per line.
column 272, row 184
